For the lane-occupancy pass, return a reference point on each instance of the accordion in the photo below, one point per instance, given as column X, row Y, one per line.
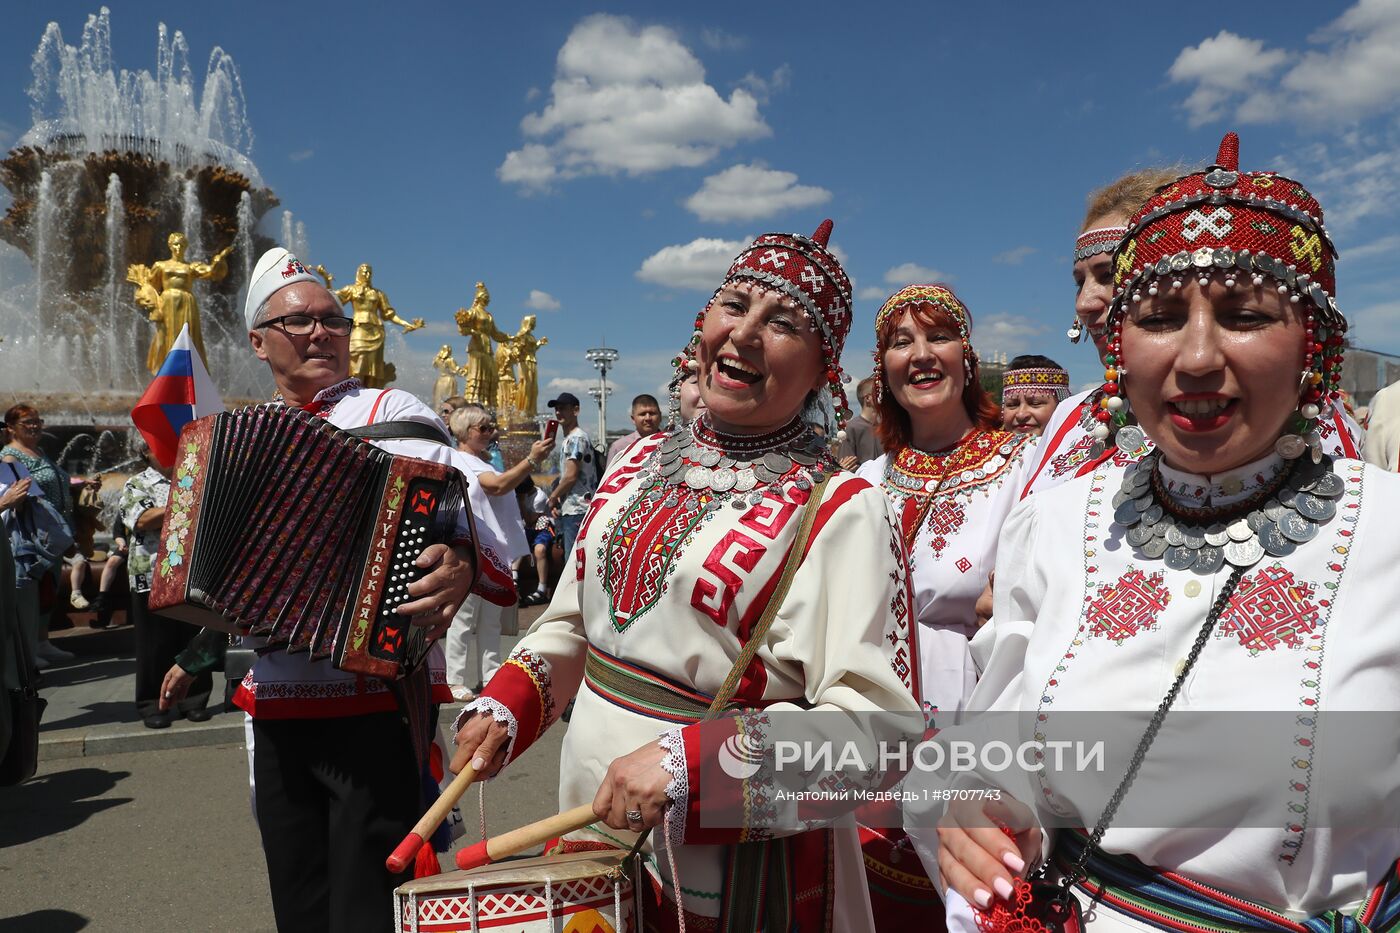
column 283, row 526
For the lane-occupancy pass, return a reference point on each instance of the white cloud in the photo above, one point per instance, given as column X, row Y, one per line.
column 1016, row 256
column 1351, row 72
column 569, row 384
column 1011, row 334
column 699, row 264
column 1376, row 327
column 721, row 41
column 542, row 301
column 763, row 88
column 872, row 293
column 1355, row 175
column 1221, row 68
column 1387, row 246
column 750, row 192
column 627, row 98
column 911, row 273
column 301, row 155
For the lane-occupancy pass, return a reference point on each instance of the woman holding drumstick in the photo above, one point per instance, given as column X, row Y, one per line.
column 682, row 562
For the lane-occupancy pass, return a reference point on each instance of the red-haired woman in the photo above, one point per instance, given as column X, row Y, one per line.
column 951, row 471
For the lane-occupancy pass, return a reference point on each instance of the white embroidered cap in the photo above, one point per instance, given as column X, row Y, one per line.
column 276, row 269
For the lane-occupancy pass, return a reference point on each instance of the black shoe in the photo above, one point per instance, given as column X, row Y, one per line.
column 157, row 721
column 104, row 614
column 203, row 714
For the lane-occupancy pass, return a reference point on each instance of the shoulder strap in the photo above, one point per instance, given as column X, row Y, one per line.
column 400, row 430
column 775, row 602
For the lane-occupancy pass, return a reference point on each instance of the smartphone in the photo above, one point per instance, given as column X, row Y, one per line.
column 551, row 428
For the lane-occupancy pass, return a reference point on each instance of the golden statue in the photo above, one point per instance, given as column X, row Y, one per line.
column 526, row 346
column 448, row 371
column 164, row 291
column 507, row 398
column 372, row 309
column 479, row 372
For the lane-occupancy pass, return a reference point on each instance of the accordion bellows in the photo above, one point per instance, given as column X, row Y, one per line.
column 283, row 526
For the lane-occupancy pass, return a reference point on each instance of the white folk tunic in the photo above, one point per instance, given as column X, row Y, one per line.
column 954, row 548
column 1067, row 445
column 673, row 591
column 1084, row 622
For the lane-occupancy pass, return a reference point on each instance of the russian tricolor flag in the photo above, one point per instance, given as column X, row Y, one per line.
column 180, row 392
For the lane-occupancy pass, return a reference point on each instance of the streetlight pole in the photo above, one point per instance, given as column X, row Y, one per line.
column 602, row 359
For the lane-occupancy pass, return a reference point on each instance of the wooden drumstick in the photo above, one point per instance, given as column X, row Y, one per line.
column 407, row 850
column 517, row 840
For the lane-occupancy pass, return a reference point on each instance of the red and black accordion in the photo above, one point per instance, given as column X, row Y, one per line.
column 283, row 526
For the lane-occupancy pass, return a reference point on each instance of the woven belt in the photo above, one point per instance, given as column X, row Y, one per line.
column 643, row 691
column 1169, row 901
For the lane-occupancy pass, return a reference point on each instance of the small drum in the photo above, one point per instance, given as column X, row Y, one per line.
column 581, row 892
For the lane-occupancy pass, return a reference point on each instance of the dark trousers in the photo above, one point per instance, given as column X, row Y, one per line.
column 158, row 641
column 334, row 797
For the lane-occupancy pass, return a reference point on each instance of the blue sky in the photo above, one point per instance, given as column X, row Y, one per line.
column 585, row 154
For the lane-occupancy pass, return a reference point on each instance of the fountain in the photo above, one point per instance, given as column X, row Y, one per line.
column 114, row 162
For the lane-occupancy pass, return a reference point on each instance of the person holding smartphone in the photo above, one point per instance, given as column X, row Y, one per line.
column 578, row 473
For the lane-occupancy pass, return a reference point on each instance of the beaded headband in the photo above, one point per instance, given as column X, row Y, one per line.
column 939, row 296
column 1035, row 381
column 1096, row 241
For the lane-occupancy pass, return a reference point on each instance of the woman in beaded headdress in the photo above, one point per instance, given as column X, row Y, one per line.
column 679, row 556
column 1077, row 439
column 1031, row 387
column 1237, row 567
column 951, row 471
column 952, row 475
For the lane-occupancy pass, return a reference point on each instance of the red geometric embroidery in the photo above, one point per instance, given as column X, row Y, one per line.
column 1271, row 608
column 1127, row 607
column 1072, row 458
column 640, row 552
column 963, row 564
column 946, row 516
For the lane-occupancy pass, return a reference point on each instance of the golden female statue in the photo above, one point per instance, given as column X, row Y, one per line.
column 448, row 371
column 164, row 291
column 526, row 346
column 479, row 372
column 507, row 399
column 372, row 309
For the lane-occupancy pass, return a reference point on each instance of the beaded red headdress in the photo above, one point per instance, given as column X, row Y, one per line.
column 1230, row 225
column 804, row 270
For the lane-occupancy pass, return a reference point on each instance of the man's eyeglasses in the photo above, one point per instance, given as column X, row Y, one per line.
column 301, row 325
column 32, row 422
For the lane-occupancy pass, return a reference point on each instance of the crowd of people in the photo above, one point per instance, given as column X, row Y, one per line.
column 1196, row 531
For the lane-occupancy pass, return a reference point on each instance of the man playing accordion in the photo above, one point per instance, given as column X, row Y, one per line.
column 336, row 762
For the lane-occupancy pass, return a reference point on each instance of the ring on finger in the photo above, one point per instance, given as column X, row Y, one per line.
column 633, row 816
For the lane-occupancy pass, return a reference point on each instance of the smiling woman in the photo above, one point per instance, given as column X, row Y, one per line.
column 693, row 552
column 1235, row 568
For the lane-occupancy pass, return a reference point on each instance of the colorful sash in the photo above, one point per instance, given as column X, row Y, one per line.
column 1165, row 900
column 643, row 691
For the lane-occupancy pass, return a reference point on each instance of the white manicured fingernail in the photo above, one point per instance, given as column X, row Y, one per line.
column 1014, row 862
column 983, row 897
column 1003, row 888
column 478, row 764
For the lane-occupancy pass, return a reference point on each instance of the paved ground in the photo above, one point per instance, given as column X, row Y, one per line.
column 120, row 831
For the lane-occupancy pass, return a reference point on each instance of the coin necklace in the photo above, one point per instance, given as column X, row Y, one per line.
column 1275, row 520
column 734, row 468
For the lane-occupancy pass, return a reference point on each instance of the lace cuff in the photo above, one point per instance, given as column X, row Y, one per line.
column 499, row 711
column 678, row 790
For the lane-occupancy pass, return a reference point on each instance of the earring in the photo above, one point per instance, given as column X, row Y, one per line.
column 1076, row 330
